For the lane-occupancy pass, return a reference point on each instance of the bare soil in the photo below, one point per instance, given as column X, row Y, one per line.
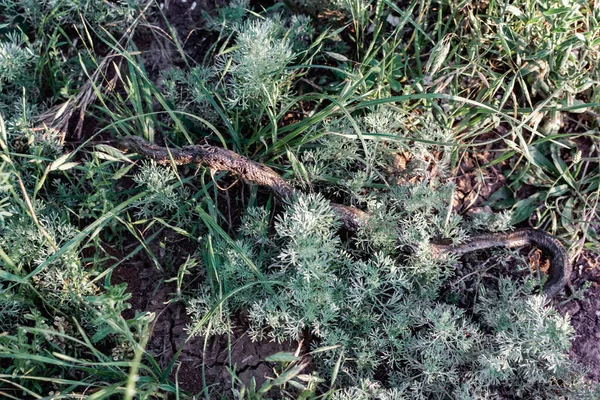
column 585, row 314
column 201, row 359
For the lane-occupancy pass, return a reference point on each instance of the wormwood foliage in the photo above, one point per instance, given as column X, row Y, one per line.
column 17, row 61
column 256, row 66
column 163, row 197
column 249, row 80
column 387, row 315
column 16, row 57
column 64, row 12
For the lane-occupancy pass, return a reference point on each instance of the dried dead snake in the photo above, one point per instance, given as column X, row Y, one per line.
column 219, row 159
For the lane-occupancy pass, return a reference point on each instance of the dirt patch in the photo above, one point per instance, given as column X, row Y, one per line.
column 585, row 315
column 475, row 185
column 200, row 361
column 236, row 352
column 177, row 22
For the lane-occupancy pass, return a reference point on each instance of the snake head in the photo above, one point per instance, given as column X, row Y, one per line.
column 131, row 143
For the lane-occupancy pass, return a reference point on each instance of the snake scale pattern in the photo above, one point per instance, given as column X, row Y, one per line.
column 219, row 159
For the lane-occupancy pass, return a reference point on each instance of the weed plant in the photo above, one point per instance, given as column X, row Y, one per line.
column 376, row 110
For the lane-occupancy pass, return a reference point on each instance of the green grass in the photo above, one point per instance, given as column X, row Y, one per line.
column 331, row 104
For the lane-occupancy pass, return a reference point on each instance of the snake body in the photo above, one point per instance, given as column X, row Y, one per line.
column 560, row 268
column 219, row 159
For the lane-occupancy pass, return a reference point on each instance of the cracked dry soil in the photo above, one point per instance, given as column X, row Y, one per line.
column 585, row 314
column 199, row 360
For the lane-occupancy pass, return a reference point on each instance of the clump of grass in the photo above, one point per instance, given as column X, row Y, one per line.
column 59, row 319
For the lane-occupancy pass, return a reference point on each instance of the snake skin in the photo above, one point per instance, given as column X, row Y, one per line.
column 560, row 268
column 219, row 159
